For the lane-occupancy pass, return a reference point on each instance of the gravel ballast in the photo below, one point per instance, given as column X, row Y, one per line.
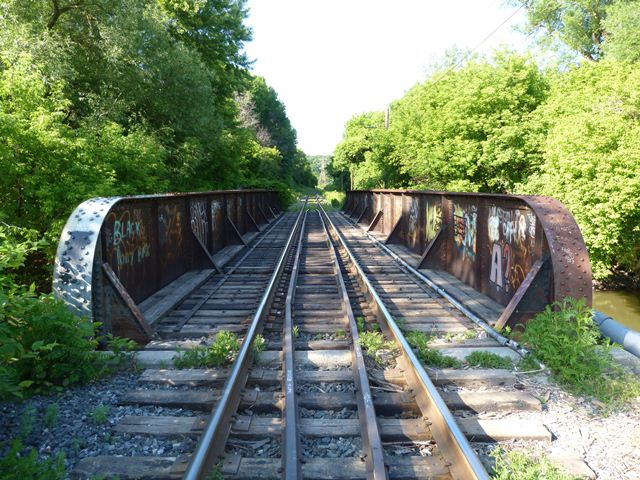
column 77, row 434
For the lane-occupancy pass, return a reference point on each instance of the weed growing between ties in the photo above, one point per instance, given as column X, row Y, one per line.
column 488, row 360
column 373, row 342
column 528, row 364
column 514, row 465
column 259, row 344
column 100, row 414
column 432, row 357
column 221, row 352
column 50, row 417
column 566, row 340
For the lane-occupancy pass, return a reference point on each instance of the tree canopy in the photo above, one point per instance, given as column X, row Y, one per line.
column 130, row 97
column 502, row 124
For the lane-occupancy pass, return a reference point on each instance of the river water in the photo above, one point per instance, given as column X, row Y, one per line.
column 621, row 306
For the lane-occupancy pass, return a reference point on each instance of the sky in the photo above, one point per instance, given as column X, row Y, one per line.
column 329, row 60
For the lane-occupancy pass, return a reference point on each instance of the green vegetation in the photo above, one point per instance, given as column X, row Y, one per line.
column 50, row 417
column 19, row 464
column 333, row 199
column 502, row 123
column 222, row 351
column 295, row 331
column 372, row 342
column 100, row 414
column 116, row 98
column 566, row 340
column 515, row 465
column 360, row 324
column 157, row 94
column 43, row 345
column 430, row 356
column 27, row 421
column 528, row 364
column 488, row 360
column 259, row 344
column 340, row 334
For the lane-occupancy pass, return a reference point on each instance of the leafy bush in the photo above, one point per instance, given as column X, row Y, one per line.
column 565, row 338
column 372, row 342
column 516, row 465
column 430, row 356
column 42, row 344
column 222, row 351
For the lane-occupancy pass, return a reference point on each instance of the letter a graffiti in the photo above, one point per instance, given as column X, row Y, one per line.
column 496, row 265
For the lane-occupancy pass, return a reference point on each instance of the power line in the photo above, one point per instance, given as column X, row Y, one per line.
column 459, row 62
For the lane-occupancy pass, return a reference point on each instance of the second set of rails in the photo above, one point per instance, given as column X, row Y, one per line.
column 316, row 403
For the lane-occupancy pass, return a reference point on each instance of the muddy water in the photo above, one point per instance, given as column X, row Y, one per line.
column 621, row 306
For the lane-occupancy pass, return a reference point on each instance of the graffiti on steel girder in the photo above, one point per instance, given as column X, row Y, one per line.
column 465, row 221
column 511, row 234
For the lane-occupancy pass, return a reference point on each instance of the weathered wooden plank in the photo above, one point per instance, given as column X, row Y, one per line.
column 480, row 401
column 391, row 429
column 309, row 358
column 504, row 429
column 161, row 425
column 472, row 378
column 125, row 468
column 160, row 303
column 351, row 468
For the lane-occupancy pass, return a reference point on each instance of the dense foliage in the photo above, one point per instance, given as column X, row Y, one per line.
column 503, row 124
column 566, row 340
column 116, row 97
column 42, row 344
column 129, row 97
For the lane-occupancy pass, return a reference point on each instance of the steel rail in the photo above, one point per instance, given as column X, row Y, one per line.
column 372, row 442
column 204, row 458
column 501, row 339
column 189, row 315
column 465, row 464
column 290, row 439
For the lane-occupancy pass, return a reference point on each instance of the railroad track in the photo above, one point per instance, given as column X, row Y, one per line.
column 320, row 401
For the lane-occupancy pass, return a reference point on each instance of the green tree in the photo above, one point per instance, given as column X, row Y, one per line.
column 592, row 28
column 623, row 27
column 471, row 128
column 592, row 159
column 577, row 23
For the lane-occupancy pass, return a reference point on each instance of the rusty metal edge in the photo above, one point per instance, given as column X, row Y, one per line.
column 140, row 321
column 571, row 268
column 202, row 459
column 76, row 251
column 569, row 257
column 466, row 464
column 372, row 441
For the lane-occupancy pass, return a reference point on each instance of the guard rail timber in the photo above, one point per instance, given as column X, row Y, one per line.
column 523, row 252
column 114, row 253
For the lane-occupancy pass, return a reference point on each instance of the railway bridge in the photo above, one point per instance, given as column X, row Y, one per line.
column 313, row 343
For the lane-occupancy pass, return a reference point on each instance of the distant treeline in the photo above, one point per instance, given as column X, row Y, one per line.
column 120, row 97
column 502, row 123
